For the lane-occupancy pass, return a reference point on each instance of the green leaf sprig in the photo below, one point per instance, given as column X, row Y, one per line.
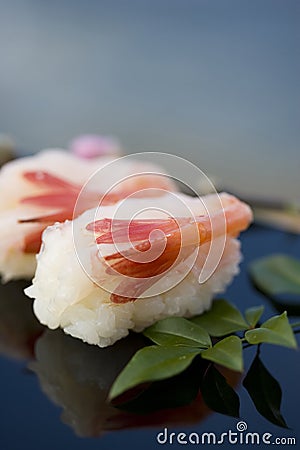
column 218, row 337
column 277, row 277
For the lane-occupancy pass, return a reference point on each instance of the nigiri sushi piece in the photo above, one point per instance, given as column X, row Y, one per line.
column 39, row 190
column 116, row 268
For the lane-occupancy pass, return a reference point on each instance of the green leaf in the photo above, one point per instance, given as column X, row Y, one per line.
column 254, row 314
column 265, row 392
column 153, row 363
column 222, row 319
column 178, row 331
column 228, row 353
column 276, row 330
column 217, row 393
column 276, row 274
column 276, row 277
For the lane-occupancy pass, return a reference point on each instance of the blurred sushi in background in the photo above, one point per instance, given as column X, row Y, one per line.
column 36, row 191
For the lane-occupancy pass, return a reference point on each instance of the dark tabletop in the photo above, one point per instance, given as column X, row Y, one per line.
column 53, row 387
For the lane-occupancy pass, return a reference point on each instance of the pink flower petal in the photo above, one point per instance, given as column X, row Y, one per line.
column 93, row 145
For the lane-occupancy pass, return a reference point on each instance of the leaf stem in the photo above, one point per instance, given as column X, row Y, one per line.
column 295, row 325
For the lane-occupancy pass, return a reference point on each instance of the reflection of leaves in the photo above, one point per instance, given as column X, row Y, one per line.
column 174, row 392
column 277, row 276
column 228, row 352
column 153, row 363
column 265, row 392
column 253, row 314
column 178, row 331
column 222, row 319
column 276, row 330
column 218, row 394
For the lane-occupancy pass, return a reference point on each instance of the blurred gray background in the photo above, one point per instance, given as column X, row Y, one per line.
column 215, row 81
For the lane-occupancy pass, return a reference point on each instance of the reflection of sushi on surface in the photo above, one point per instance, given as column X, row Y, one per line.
column 36, row 191
column 65, row 296
column 19, row 328
column 77, row 377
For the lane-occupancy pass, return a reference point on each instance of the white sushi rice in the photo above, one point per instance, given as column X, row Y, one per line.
column 64, row 295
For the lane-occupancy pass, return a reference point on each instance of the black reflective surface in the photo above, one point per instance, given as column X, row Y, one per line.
column 53, row 387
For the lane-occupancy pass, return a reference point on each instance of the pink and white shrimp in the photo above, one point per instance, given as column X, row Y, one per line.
column 37, row 191
column 125, row 266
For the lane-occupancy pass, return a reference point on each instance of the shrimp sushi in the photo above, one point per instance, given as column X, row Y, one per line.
column 124, row 266
column 37, row 191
